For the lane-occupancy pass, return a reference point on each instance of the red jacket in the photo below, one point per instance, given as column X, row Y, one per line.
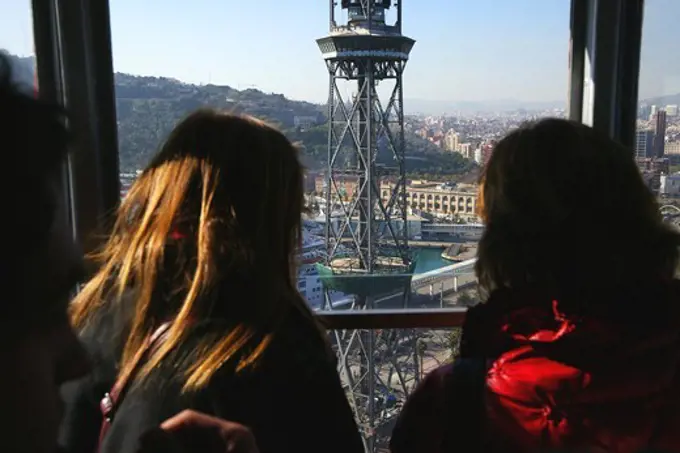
column 559, row 376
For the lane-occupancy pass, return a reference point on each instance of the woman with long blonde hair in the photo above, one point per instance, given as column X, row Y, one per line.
column 195, row 304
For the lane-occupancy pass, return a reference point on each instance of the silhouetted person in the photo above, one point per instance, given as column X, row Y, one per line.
column 203, row 253
column 578, row 345
column 39, row 266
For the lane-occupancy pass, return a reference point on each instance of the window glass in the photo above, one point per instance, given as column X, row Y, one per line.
column 477, row 70
column 657, row 144
column 16, row 39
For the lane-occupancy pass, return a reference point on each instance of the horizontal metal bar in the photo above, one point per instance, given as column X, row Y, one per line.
column 628, row 70
column 392, row 319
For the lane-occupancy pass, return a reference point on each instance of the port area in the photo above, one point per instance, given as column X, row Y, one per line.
column 460, row 252
column 431, row 244
column 385, row 263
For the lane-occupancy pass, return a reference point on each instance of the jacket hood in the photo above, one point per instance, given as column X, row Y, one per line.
column 618, row 321
column 600, row 362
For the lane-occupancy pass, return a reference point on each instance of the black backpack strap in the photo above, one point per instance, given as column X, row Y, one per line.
column 109, row 404
column 464, row 391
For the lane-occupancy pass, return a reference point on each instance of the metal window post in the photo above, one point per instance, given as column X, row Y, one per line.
column 49, row 75
column 611, row 64
column 577, row 50
column 73, row 47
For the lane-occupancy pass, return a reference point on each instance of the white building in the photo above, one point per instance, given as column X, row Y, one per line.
column 451, row 140
column 672, row 148
column 465, row 149
column 478, row 156
column 305, row 122
column 670, row 184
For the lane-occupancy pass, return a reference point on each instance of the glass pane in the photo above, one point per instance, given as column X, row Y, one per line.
column 467, row 83
column 658, row 135
column 477, row 70
column 16, row 39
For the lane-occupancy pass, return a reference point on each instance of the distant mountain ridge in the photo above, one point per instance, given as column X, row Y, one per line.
column 441, row 107
column 274, row 107
column 149, row 107
column 24, row 69
column 672, row 99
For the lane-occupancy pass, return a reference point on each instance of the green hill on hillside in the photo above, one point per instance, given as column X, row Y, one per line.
column 149, row 107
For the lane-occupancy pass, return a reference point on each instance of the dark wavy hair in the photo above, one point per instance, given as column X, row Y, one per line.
column 566, row 207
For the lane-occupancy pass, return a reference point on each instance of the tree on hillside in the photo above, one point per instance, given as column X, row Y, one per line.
column 149, row 107
column 454, row 342
column 465, row 299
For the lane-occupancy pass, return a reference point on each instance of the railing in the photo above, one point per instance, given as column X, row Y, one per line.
column 383, row 354
column 451, row 271
column 361, row 29
column 393, row 319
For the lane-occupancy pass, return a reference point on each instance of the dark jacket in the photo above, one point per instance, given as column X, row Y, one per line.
column 292, row 401
column 601, row 374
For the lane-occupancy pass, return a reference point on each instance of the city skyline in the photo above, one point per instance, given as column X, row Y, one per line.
column 501, row 51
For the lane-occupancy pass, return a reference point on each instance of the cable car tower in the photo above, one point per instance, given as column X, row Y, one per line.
column 366, row 227
column 366, row 50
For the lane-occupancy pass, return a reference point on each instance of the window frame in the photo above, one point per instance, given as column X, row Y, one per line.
column 75, row 68
column 605, row 56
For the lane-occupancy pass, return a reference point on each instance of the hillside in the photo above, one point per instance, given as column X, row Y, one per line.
column 22, row 68
column 148, row 108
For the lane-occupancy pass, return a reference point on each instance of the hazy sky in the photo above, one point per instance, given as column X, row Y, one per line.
column 466, row 49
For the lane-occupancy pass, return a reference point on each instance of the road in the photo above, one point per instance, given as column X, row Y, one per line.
column 421, row 298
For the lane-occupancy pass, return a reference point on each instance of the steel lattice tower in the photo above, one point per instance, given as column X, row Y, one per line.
column 369, row 236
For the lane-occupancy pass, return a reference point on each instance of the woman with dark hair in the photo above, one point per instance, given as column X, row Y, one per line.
column 577, row 345
column 195, row 304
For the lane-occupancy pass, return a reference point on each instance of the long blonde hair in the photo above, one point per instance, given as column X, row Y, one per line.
column 217, row 211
